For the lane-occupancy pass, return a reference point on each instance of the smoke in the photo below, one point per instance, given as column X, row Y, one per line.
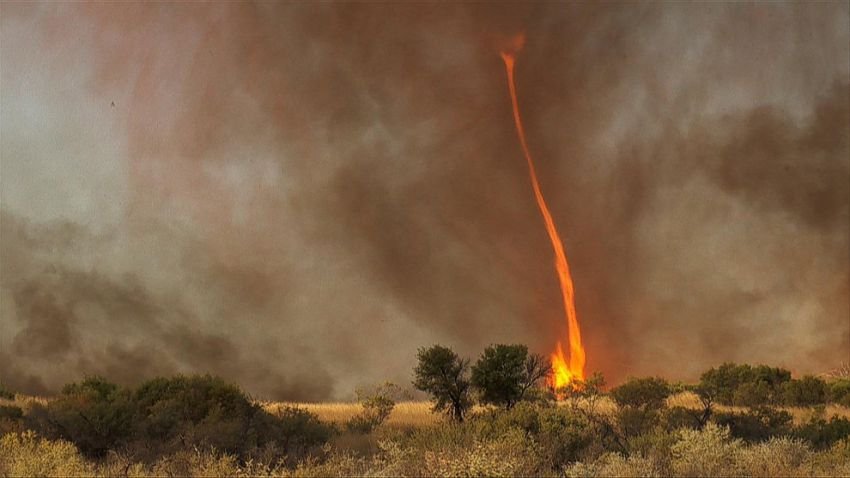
column 296, row 196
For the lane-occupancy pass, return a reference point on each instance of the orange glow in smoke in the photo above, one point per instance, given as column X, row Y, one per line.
column 564, row 371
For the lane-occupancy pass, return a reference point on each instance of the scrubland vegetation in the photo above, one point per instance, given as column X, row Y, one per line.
column 493, row 418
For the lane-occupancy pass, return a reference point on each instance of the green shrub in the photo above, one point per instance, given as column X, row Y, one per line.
column 644, row 393
column 167, row 415
column 674, row 418
column 745, row 385
column 94, row 415
column 633, row 421
column 656, row 447
column 806, row 391
column 298, row 431
column 562, row 436
column 757, row 424
column 822, row 433
column 839, row 392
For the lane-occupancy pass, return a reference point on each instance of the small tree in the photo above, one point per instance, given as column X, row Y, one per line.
column 378, row 403
column 505, row 373
column 444, row 375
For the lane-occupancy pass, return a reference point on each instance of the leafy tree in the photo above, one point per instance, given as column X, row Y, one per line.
column 504, row 374
column 444, row 375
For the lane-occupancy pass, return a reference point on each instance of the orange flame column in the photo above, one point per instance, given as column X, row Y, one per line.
column 564, row 372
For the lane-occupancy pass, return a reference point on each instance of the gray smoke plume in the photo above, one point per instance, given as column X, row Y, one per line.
column 296, row 197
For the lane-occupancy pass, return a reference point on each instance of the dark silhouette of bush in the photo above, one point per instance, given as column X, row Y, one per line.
column 296, row 431
column 757, row 424
column 11, row 419
column 194, row 410
column 642, row 393
column 823, row 434
column 95, row 415
column 5, row 393
column 839, row 392
column 444, row 375
column 504, row 374
column 639, row 401
column 8, row 412
column 806, row 391
column 674, row 418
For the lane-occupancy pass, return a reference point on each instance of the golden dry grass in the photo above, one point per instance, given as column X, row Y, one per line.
column 419, row 413
column 403, row 414
column 23, row 401
column 800, row 414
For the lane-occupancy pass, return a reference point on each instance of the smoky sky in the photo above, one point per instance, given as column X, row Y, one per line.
column 297, row 196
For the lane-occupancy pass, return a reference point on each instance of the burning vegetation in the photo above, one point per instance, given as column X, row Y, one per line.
column 565, row 370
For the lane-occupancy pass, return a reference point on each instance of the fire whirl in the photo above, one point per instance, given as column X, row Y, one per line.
column 564, row 371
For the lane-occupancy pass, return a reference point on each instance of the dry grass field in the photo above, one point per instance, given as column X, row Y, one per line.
column 419, row 413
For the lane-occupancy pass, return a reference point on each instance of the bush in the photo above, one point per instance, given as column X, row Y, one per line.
column 757, row 424
column 201, row 411
column 167, row 415
column 707, row 452
column 644, row 393
column 839, row 392
column 614, row 465
column 562, row 436
column 822, row 433
column 378, row 404
column 636, row 421
column 8, row 412
column 25, row 454
column 675, row 418
column 745, row 385
column 298, row 431
column 806, row 391
column 95, row 415
column 5, row 393
column 776, row 457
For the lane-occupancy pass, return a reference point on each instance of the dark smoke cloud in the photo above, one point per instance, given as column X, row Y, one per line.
column 297, row 196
